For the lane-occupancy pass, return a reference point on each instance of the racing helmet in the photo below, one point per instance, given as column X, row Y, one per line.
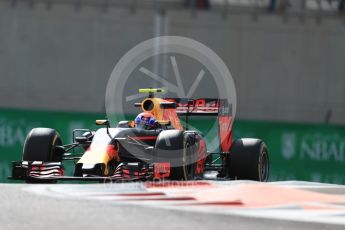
column 145, row 120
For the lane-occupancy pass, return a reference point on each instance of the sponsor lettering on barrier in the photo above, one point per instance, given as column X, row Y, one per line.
column 321, row 147
column 316, row 147
column 288, row 145
column 13, row 133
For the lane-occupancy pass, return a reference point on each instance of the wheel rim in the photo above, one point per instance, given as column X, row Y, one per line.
column 263, row 167
column 186, row 167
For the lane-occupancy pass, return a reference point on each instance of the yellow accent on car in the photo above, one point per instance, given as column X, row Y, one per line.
column 149, row 90
column 95, row 156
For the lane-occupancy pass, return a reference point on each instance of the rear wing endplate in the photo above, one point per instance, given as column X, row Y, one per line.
column 209, row 107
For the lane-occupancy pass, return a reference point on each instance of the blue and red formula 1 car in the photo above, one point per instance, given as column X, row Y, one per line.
column 153, row 146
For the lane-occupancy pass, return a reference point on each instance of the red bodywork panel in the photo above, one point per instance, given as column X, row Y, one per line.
column 202, row 154
column 225, row 126
column 209, row 107
column 171, row 115
column 161, row 170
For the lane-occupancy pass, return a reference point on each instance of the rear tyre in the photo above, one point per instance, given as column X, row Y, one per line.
column 248, row 160
column 177, row 148
column 40, row 145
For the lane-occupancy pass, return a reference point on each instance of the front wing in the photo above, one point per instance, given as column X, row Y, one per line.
column 52, row 171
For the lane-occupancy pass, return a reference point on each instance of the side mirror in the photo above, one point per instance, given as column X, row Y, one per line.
column 102, row 122
column 81, row 140
column 126, row 124
column 84, row 138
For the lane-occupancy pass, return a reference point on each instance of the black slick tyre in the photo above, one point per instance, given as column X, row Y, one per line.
column 177, row 148
column 40, row 145
column 248, row 160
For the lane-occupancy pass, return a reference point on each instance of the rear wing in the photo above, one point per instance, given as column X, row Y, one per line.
column 208, row 107
column 197, row 107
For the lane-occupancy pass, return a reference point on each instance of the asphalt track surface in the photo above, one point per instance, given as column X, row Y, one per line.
column 65, row 206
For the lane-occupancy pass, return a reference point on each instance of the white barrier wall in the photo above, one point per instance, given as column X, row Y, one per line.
column 60, row 58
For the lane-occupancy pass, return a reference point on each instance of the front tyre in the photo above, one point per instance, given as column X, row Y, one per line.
column 40, row 145
column 248, row 160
